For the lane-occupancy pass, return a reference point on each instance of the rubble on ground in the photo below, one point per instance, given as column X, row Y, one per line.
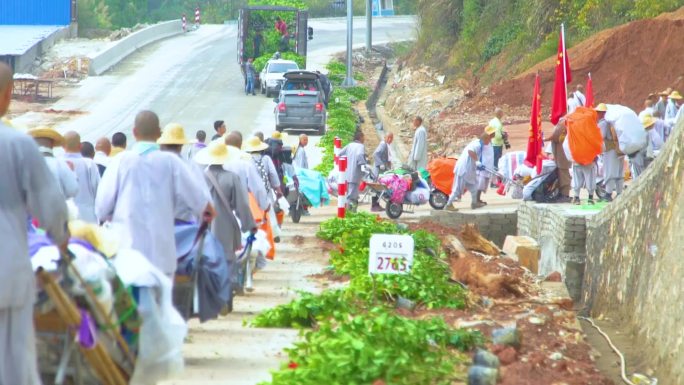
column 532, row 332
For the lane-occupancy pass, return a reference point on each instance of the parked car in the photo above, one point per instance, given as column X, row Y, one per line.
column 301, row 103
column 271, row 77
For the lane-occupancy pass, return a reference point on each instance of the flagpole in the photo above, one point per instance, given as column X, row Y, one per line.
column 565, row 75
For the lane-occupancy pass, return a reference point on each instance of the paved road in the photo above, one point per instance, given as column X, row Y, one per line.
column 194, row 79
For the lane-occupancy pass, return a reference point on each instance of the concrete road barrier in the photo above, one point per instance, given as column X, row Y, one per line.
column 104, row 60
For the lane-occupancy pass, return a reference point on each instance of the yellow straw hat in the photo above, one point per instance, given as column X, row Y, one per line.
column 254, row 144
column 6, row 122
column 104, row 240
column 648, row 120
column 675, row 95
column 173, row 134
column 216, row 153
column 489, row 130
column 284, row 136
column 47, row 133
column 601, row 107
column 667, row 92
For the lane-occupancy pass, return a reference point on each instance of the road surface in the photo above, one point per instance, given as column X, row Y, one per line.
column 194, row 79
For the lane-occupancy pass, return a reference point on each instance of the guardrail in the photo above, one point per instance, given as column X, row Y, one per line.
column 104, row 60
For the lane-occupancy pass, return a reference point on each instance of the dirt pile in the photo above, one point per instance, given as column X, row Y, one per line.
column 626, row 64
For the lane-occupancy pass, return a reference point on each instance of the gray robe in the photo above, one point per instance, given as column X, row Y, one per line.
column 613, row 165
column 418, row 156
column 225, row 226
column 249, row 176
column 381, row 158
column 28, row 188
column 356, row 157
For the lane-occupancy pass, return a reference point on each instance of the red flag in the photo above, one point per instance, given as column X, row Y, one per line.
column 559, row 106
column 590, row 93
column 534, row 143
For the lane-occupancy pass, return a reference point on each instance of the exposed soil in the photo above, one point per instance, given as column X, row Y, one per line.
column 626, row 64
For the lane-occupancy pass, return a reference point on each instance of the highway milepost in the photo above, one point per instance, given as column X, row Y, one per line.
column 390, row 254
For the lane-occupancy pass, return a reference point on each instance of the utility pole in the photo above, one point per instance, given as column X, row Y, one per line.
column 369, row 25
column 349, row 79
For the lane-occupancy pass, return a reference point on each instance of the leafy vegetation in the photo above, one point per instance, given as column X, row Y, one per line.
column 108, row 14
column 342, row 121
column 356, row 331
column 498, row 38
column 377, row 346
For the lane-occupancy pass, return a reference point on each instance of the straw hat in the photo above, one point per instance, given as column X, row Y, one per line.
column 675, row 95
column 601, row 107
column 6, row 122
column 254, row 144
column 648, row 120
column 173, row 134
column 489, row 130
column 47, row 133
column 216, row 153
column 284, row 136
column 104, row 240
column 667, row 92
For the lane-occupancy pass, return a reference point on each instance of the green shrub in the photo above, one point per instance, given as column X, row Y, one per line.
column 377, row 346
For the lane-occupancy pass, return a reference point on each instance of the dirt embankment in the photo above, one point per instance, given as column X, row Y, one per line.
column 626, row 64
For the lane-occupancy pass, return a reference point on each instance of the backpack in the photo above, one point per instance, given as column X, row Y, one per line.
column 548, row 190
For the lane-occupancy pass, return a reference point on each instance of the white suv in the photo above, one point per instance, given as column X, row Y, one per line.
column 271, row 76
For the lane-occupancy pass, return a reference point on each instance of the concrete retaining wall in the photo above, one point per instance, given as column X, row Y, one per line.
column 494, row 224
column 635, row 262
column 104, row 60
column 560, row 231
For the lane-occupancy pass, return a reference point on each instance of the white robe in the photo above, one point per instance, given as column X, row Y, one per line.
column 465, row 171
column 300, row 159
column 66, row 179
column 418, row 156
column 143, row 191
column 28, row 188
column 187, row 213
column 88, row 177
column 356, row 157
column 484, row 177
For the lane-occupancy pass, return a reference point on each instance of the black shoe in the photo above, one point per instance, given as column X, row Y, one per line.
column 606, row 198
column 575, row 201
column 591, row 201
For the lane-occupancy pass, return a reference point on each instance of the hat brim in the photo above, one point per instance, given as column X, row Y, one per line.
column 676, row 97
column 206, row 158
column 47, row 133
column 649, row 123
column 260, row 147
column 172, row 142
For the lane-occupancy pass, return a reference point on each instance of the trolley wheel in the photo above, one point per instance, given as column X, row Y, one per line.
column 438, row 200
column 394, row 210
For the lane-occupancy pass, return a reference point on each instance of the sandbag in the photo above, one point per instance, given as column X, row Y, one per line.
column 631, row 134
column 442, row 173
column 262, row 222
column 584, row 137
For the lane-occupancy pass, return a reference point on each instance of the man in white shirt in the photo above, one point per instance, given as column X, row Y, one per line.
column 143, row 189
column 466, row 168
column 87, row 174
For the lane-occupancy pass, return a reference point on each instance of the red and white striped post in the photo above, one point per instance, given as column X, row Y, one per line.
column 336, row 151
column 342, row 188
column 185, row 23
column 197, row 16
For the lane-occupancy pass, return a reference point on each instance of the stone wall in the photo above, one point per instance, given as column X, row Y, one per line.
column 494, row 224
column 635, row 262
column 560, row 231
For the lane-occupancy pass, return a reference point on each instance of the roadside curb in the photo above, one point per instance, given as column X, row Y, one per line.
column 115, row 53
